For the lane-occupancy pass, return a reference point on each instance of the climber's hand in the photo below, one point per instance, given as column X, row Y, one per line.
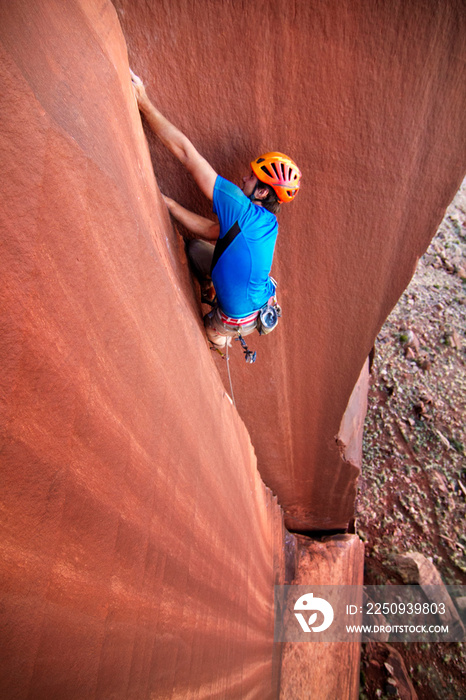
column 171, row 204
column 203, row 228
column 176, row 142
column 138, row 88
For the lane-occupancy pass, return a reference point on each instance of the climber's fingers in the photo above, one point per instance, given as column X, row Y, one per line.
column 135, row 78
column 138, row 86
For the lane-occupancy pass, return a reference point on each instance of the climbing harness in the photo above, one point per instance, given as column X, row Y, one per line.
column 267, row 320
column 234, row 323
column 264, row 320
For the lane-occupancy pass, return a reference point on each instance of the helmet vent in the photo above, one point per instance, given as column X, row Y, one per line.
column 274, row 166
column 266, row 170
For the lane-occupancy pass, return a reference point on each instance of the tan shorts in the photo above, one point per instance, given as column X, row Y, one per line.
column 218, row 332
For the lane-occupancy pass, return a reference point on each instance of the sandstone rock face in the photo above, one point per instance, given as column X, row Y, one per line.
column 370, row 99
column 139, row 546
column 329, row 670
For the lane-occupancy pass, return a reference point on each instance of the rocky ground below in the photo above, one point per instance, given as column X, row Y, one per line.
column 413, row 487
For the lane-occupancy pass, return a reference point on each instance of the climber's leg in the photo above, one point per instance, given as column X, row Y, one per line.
column 200, row 255
column 218, row 335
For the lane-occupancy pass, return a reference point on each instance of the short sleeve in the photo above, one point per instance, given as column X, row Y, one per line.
column 229, row 203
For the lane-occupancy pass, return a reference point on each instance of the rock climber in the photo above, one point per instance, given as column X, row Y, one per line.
column 232, row 257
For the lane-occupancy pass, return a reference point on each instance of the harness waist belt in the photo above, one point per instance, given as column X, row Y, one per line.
column 228, row 321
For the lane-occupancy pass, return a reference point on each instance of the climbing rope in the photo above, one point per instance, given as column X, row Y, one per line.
column 227, row 358
column 249, row 356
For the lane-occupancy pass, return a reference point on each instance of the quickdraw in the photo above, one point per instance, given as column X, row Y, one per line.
column 266, row 322
column 249, row 355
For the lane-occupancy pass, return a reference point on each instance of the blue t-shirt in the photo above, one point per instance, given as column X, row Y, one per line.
column 241, row 274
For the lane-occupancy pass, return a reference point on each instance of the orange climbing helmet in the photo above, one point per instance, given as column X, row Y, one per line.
column 280, row 172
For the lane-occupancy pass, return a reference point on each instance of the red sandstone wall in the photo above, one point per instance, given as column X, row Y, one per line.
column 139, row 547
column 129, row 488
column 370, row 99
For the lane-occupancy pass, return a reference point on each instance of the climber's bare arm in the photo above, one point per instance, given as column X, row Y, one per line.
column 175, row 141
column 198, row 225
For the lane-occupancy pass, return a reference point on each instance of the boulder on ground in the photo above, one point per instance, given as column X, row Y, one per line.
column 416, row 569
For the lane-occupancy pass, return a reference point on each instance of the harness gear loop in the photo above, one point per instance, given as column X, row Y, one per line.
column 269, row 313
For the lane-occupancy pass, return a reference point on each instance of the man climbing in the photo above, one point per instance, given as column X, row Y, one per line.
column 239, row 264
